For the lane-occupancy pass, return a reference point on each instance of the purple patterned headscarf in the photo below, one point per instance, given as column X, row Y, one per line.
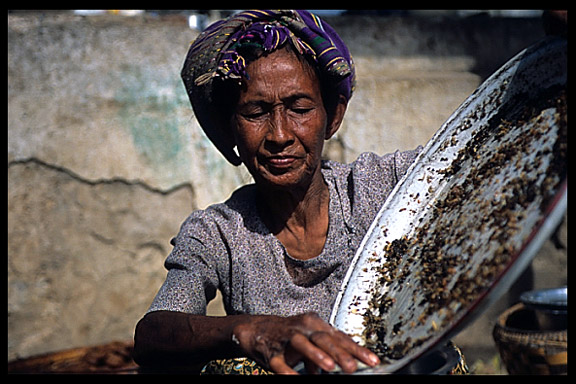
column 217, row 55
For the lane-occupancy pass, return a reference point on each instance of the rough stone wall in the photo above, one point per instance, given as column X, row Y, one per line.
column 84, row 256
column 103, row 166
column 105, row 158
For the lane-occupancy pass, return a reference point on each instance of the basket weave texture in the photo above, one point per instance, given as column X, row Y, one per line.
column 111, row 358
column 530, row 351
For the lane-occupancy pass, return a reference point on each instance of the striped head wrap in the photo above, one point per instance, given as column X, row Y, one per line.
column 217, row 55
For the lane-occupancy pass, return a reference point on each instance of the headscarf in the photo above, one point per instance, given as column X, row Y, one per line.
column 214, row 56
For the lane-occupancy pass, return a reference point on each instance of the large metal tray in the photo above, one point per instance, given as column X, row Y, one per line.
column 467, row 218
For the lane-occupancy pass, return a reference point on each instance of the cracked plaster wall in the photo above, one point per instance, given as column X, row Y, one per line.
column 105, row 159
column 84, row 257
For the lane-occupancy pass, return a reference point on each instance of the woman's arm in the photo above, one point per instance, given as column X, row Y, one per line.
column 174, row 340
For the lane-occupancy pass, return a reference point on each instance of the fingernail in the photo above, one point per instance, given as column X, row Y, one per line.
column 335, row 368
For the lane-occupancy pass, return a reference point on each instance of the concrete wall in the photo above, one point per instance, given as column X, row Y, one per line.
column 105, row 158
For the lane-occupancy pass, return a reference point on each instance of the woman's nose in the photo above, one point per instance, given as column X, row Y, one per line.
column 279, row 133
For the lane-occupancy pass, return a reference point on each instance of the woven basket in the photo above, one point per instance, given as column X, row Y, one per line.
column 111, row 358
column 527, row 350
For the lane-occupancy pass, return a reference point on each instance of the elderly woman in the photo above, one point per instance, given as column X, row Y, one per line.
column 268, row 88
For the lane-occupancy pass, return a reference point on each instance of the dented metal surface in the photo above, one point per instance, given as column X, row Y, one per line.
column 468, row 216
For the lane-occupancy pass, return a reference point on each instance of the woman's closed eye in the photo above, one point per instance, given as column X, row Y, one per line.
column 254, row 115
column 263, row 113
column 258, row 110
column 301, row 110
column 253, row 112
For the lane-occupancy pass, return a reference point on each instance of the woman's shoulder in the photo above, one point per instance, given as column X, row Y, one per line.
column 371, row 164
column 395, row 159
column 211, row 230
column 237, row 207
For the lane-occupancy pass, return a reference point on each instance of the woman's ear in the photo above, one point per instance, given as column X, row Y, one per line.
column 335, row 118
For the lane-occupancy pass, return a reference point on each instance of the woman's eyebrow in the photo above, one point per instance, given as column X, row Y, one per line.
column 263, row 102
column 297, row 96
column 252, row 103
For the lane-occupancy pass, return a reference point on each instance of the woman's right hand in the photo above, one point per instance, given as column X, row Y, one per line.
column 281, row 342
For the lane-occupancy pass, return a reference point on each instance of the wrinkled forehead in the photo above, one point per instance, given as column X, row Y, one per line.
column 281, row 68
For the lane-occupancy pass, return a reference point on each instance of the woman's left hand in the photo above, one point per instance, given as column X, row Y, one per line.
column 281, row 342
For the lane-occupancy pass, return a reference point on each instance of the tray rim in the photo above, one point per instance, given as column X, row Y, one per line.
column 554, row 212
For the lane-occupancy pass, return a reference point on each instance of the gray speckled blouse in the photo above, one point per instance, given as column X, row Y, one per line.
column 228, row 247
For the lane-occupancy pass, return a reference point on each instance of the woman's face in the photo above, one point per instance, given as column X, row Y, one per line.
column 280, row 122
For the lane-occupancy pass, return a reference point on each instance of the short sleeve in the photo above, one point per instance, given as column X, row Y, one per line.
column 192, row 278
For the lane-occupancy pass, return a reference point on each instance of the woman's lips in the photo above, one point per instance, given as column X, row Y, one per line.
column 281, row 161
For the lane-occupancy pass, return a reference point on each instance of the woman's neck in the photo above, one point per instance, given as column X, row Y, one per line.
column 298, row 218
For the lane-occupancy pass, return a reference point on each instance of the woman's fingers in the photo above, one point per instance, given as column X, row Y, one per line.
column 311, row 353
column 328, row 349
column 278, row 365
column 314, row 323
column 358, row 352
column 281, row 343
column 337, row 351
